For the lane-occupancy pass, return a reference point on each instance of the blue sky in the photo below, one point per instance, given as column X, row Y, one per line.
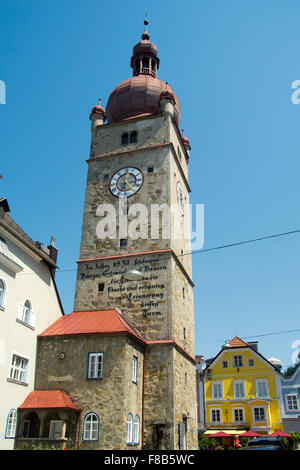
column 232, row 65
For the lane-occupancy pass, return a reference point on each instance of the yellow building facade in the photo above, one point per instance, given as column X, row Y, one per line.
column 241, row 391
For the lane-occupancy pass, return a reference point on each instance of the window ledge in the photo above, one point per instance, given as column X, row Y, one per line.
column 19, row 382
column 25, row 324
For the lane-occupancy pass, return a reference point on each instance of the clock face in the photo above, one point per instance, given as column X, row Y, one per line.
column 180, row 198
column 126, row 182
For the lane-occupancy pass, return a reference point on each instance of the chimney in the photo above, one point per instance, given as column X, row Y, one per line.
column 253, row 345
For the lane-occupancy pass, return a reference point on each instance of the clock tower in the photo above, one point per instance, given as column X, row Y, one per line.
column 135, row 244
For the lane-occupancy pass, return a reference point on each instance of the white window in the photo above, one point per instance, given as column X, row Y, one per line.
column 4, row 248
column 134, row 369
column 11, row 424
column 225, row 364
column 292, row 402
column 2, row 293
column 238, row 415
column 26, row 428
column 251, row 363
column 237, row 361
column 215, row 415
column 95, row 365
column 136, row 430
column 55, row 431
column 129, row 430
column 217, row 391
column 239, row 389
column 19, row 369
column 91, row 427
column 262, row 388
column 259, row 414
column 26, row 314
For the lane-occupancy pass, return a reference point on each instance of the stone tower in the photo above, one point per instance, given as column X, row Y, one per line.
column 135, row 243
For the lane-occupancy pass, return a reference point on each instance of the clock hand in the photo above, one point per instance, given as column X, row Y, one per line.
column 126, row 181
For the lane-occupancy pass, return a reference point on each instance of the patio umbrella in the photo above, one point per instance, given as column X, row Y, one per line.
column 281, row 434
column 250, row 434
column 219, row 434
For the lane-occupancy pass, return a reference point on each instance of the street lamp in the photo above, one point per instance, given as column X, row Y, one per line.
column 133, row 275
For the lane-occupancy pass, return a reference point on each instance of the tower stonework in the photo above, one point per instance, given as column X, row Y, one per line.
column 136, row 219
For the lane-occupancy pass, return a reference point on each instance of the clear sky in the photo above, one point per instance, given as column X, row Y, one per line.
column 232, row 64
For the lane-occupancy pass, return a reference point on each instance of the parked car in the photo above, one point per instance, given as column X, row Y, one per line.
column 265, row 443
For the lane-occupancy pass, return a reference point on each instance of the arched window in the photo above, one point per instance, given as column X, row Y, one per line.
column 26, row 311
column 129, row 430
column 136, row 430
column 133, row 137
column 2, row 293
column 26, row 314
column 125, row 138
column 145, row 62
column 11, row 425
column 91, row 427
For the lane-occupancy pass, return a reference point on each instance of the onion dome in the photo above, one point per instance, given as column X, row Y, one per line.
column 98, row 110
column 186, row 141
column 140, row 95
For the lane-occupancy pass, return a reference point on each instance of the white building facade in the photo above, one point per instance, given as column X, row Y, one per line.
column 29, row 302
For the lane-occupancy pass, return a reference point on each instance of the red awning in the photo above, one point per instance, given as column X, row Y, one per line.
column 281, row 434
column 48, row 399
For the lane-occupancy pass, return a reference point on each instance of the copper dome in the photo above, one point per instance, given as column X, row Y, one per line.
column 137, row 96
column 141, row 94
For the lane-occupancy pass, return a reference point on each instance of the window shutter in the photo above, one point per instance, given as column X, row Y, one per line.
column 20, row 312
column 32, row 318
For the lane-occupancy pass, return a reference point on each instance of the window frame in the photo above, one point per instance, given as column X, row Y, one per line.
column 216, row 411
column 217, row 383
column 287, row 402
column 129, row 428
column 87, row 434
column 133, row 137
column 26, row 315
column 239, row 382
column 19, row 370
column 10, row 430
column 135, row 369
column 265, row 414
column 257, row 383
column 52, row 424
column 238, row 409
column 225, row 361
column 125, row 138
column 97, row 356
column 241, row 359
column 136, row 430
column 2, row 294
column 249, row 360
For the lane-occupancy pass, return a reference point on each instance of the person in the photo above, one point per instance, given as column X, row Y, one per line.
column 236, row 442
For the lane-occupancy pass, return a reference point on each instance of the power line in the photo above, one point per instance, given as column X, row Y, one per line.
column 249, row 337
column 209, row 249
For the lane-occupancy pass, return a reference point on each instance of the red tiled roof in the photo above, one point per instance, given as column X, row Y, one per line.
column 237, row 342
column 91, row 322
column 48, row 399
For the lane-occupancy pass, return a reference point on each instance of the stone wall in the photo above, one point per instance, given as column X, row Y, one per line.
column 112, row 397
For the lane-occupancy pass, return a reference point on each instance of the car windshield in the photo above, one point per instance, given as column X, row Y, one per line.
column 264, row 442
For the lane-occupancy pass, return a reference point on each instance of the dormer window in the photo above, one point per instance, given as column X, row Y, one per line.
column 125, row 138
